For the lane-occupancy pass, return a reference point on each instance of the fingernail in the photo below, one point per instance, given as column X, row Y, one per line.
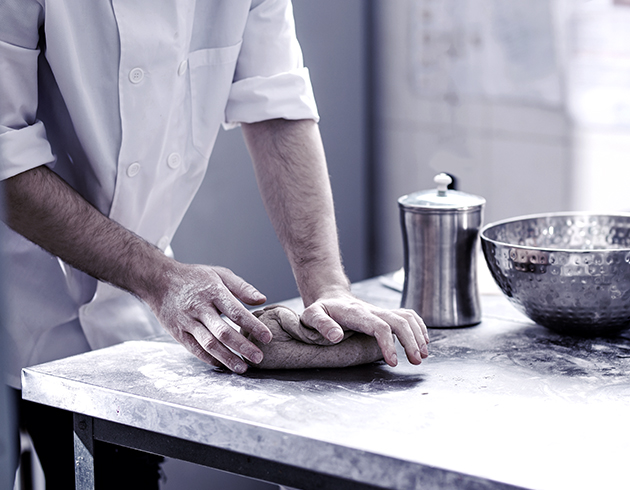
column 240, row 368
column 335, row 335
column 394, row 359
column 257, row 358
column 424, row 350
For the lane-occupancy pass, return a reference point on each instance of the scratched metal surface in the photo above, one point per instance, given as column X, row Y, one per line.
column 506, row 401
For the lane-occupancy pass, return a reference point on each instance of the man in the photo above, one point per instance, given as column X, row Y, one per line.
column 108, row 113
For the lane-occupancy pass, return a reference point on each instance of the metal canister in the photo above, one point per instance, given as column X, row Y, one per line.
column 440, row 235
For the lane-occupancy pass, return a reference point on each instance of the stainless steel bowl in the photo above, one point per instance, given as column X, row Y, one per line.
column 569, row 272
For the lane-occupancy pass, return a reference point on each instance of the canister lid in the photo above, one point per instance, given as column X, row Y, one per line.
column 440, row 198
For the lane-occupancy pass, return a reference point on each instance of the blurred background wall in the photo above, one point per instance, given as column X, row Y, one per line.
column 527, row 102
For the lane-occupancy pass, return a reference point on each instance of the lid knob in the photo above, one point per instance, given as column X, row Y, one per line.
column 443, row 181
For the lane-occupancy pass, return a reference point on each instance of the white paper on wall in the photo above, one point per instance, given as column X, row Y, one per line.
column 598, row 77
column 485, row 48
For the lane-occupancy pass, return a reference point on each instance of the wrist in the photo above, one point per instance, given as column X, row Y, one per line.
column 324, row 284
column 151, row 276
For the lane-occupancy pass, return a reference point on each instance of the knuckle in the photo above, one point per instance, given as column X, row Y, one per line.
column 395, row 323
column 197, row 350
column 400, row 322
column 235, row 313
column 222, row 333
column 383, row 334
column 405, row 313
column 214, row 289
column 210, row 343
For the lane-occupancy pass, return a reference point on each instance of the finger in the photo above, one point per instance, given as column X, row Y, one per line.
column 216, row 336
column 420, row 321
column 417, row 323
column 241, row 316
column 403, row 328
column 418, row 328
column 240, row 288
column 318, row 318
column 362, row 320
column 191, row 344
column 214, row 347
column 385, row 340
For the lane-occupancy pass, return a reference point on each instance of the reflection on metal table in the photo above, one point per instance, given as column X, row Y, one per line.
column 504, row 404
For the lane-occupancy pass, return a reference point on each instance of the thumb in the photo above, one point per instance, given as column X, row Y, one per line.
column 315, row 316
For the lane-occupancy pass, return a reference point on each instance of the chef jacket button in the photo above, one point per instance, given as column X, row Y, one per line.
column 136, row 75
column 163, row 243
column 182, row 67
column 174, row 160
column 133, row 169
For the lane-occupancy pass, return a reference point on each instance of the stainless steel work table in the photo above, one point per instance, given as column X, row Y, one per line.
column 503, row 404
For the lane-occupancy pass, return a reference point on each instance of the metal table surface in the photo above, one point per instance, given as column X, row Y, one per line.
column 503, row 404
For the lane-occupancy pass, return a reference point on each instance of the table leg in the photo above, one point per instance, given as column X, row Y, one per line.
column 83, row 452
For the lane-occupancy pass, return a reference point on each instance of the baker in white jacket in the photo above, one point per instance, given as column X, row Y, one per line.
column 109, row 110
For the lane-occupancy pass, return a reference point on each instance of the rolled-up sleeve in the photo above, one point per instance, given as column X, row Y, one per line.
column 23, row 143
column 270, row 80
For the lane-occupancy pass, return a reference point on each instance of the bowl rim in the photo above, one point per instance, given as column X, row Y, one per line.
column 514, row 219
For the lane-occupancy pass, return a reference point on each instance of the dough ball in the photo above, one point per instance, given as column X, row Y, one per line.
column 296, row 346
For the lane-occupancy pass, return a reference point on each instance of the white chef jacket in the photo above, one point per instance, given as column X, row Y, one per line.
column 124, row 100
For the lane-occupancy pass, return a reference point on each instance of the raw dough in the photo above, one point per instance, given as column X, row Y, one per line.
column 296, row 346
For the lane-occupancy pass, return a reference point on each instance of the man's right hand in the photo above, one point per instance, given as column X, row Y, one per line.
column 189, row 304
column 187, row 299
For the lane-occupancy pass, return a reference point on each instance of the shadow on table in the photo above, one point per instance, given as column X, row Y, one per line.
column 374, row 377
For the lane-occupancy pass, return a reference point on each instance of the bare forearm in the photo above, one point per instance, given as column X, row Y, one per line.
column 46, row 210
column 293, row 179
column 291, row 170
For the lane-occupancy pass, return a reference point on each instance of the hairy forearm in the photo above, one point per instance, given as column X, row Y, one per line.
column 46, row 210
column 291, row 170
column 187, row 299
column 292, row 175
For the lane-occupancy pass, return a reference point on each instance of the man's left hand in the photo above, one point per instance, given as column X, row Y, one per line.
column 331, row 315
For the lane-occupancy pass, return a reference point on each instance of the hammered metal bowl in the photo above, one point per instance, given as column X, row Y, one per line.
column 569, row 272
